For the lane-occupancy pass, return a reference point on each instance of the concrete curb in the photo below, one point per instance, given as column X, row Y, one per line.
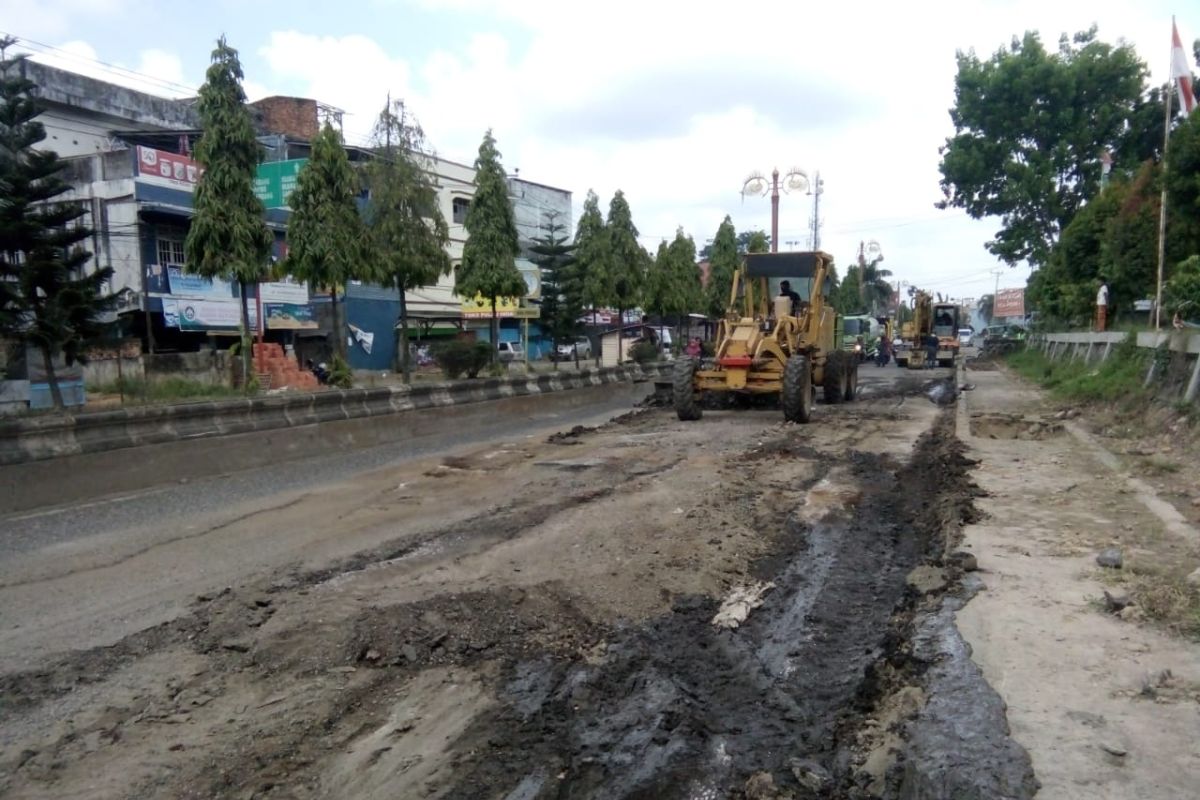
column 29, row 439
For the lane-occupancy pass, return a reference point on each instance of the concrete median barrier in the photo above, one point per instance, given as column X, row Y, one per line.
column 55, row 459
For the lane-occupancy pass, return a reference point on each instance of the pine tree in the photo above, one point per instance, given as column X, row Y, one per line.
column 685, row 277
column 723, row 263
column 45, row 299
column 228, row 237
column 592, row 258
column 408, row 232
column 489, row 265
column 562, row 290
column 628, row 260
column 326, row 235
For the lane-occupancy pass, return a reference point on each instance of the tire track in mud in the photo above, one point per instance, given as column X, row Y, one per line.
column 680, row 709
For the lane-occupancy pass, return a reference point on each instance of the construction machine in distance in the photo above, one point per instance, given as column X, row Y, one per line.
column 930, row 320
column 769, row 345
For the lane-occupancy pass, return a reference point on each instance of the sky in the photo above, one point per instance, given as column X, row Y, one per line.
column 674, row 102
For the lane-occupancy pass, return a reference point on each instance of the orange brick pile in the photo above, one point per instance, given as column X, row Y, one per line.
column 269, row 359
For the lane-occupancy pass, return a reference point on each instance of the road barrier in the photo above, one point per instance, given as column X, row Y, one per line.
column 50, row 460
column 1099, row 346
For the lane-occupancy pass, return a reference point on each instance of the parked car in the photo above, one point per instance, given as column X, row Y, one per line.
column 510, row 351
column 567, row 351
column 965, row 335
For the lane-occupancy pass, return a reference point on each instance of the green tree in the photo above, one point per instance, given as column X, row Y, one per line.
column 228, row 237
column 685, row 276
column 1183, row 190
column 659, row 295
column 592, row 258
column 1030, row 129
column 723, row 262
column 562, row 287
column 1181, row 295
column 628, row 260
column 756, row 241
column 407, row 231
column 489, row 267
column 326, row 235
column 1129, row 246
column 46, row 299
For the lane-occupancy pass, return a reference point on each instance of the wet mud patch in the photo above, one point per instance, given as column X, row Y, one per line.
column 1012, row 426
column 681, row 708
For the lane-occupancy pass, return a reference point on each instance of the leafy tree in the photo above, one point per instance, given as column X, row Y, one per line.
column 754, row 242
column 1030, row 129
column 723, row 261
column 407, row 232
column 562, row 286
column 326, row 235
column 658, row 296
column 628, row 260
column 45, row 299
column 488, row 265
column 228, row 237
column 592, row 257
column 986, row 306
column 685, row 276
column 1183, row 190
column 1129, row 247
column 1181, row 295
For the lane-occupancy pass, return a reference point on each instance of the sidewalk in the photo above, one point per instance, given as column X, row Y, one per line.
column 1107, row 705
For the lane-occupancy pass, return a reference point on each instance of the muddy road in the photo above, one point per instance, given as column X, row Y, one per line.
column 638, row 609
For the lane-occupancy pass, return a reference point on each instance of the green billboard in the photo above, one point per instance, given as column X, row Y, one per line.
column 275, row 181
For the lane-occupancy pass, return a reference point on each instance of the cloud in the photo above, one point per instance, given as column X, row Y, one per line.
column 157, row 72
column 52, row 19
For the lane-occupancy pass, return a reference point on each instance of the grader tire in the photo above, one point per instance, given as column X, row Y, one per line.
column 683, row 390
column 797, row 400
column 837, row 365
column 851, row 382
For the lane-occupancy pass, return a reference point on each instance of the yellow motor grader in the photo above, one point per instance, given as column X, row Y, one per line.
column 771, row 343
column 930, row 321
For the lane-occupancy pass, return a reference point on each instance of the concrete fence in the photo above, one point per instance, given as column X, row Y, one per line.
column 1098, row 347
column 27, row 439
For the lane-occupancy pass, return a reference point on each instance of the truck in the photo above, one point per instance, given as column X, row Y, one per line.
column 859, row 333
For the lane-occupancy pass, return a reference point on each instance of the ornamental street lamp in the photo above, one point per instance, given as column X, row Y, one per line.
column 796, row 180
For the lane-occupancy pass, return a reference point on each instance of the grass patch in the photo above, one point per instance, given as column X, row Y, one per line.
column 1119, row 378
column 1160, row 466
column 1171, row 603
column 171, row 390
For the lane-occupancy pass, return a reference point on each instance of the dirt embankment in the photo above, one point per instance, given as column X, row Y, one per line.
column 561, row 644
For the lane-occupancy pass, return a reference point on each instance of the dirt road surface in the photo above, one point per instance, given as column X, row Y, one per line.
column 636, row 608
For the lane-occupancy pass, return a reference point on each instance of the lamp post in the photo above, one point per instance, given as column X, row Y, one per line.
column 796, row 180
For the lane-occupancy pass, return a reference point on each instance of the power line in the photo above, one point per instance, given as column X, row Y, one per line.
column 49, row 49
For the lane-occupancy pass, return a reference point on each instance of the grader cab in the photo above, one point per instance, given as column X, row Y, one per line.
column 768, row 344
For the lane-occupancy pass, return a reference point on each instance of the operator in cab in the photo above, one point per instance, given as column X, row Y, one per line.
column 785, row 290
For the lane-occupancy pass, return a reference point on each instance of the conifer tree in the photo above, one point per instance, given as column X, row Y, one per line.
column 228, row 238
column 326, row 235
column 592, row 258
column 408, row 232
column 46, row 299
column 489, row 267
column 627, row 260
column 562, row 290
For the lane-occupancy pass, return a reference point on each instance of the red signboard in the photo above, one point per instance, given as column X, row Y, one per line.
column 1009, row 303
column 167, row 169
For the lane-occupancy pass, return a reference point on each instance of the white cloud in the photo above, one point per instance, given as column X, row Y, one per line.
column 51, row 19
column 157, row 72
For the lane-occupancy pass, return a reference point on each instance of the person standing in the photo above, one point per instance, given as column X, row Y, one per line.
column 1102, row 307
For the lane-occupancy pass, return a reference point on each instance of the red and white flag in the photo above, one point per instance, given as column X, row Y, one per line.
column 1181, row 72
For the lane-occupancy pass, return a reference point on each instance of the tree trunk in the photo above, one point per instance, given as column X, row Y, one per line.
column 596, row 324
column 620, row 336
column 495, row 331
column 339, row 332
column 246, row 338
column 52, row 380
column 405, row 359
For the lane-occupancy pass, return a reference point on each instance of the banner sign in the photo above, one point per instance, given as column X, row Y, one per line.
column 182, row 284
column 285, row 291
column 481, row 307
column 290, row 316
column 1009, row 303
column 276, row 180
column 167, row 169
column 205, row 315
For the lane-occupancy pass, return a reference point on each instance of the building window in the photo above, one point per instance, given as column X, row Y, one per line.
column 459, row 205
column 170, row 250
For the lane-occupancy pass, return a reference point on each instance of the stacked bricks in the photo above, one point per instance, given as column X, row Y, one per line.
column 284, row 372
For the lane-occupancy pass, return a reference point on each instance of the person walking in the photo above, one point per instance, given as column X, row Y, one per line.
column 1102, row 307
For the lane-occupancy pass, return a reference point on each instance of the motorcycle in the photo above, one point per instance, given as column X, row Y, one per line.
column 321, row 371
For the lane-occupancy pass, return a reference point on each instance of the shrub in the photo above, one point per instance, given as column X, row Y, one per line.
column 644, row 352
column 458, row 358
column 340, row 374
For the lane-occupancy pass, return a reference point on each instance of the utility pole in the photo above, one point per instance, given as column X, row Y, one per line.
column 996, row 293
column 817, row 190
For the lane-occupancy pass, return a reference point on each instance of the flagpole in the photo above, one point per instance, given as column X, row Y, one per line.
column 1162, row 205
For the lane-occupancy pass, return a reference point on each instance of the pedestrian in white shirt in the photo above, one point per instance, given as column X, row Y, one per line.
column 1102, row 307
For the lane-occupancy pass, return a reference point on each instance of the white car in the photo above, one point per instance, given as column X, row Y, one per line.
column 964, row 336
column 567, row 351
column 510, row 351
